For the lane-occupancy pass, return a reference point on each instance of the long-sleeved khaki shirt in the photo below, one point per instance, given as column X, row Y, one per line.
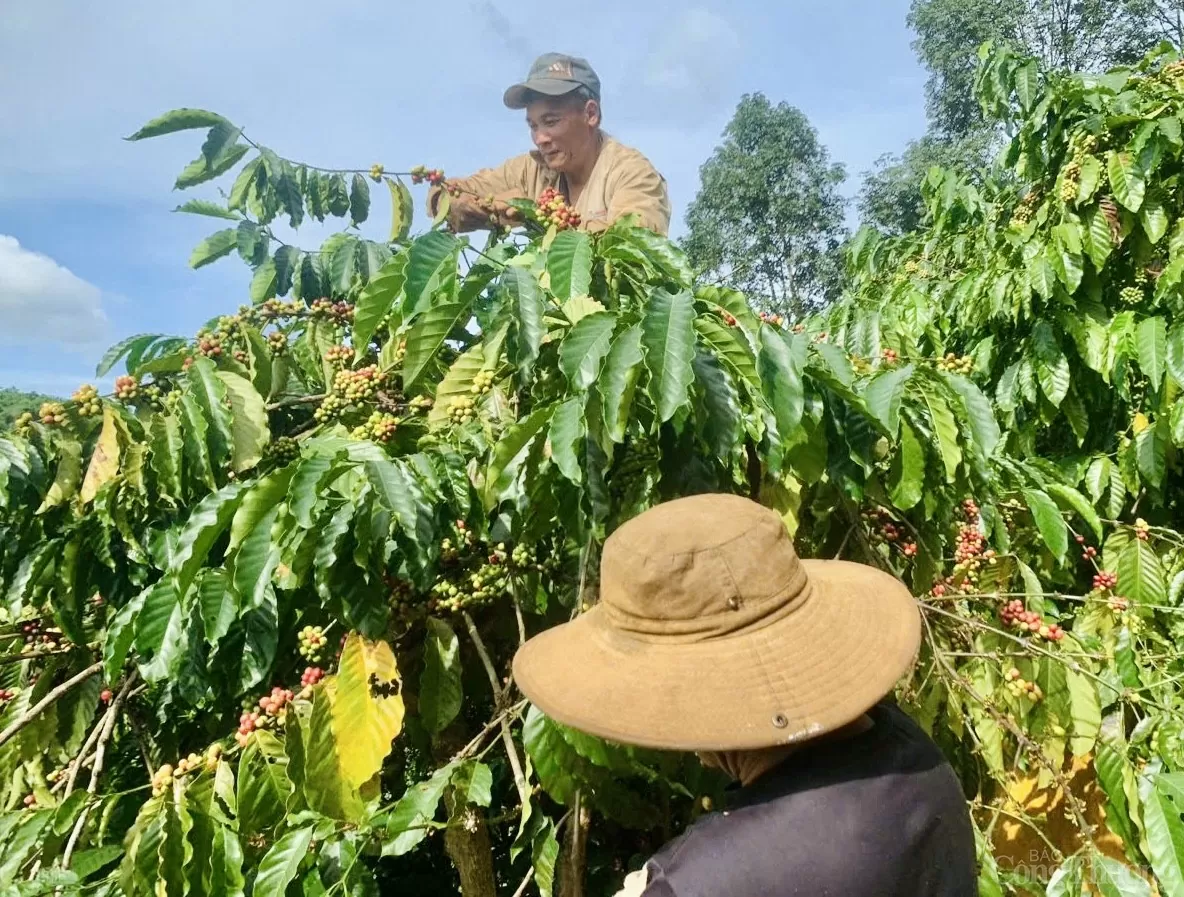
column 623, row 182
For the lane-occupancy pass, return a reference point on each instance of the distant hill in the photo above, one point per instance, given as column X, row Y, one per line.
column 13, row 403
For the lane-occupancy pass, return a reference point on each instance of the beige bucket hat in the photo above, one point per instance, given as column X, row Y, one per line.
column 711, row 634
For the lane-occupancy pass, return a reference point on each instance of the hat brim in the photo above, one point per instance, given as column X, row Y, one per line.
column 813, row 671
column 518, row 96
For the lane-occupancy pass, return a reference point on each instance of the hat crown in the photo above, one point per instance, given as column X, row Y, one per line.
column 700, row 568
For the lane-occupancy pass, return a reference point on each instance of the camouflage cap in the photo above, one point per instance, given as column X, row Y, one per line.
column 553, row 75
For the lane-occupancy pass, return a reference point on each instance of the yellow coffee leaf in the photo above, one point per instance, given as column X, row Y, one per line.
column 784, row 496
column 1140, row 423
column 104, row 462
column 580, row 307
column 364, row 723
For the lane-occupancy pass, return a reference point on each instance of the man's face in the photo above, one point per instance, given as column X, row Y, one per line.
column 563, row 129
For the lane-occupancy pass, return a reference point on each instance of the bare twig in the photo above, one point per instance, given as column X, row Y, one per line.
column 295, row 400
column 60, row 691
column 499, row 697
column 521, row 622
column 507, row 714
column 97, row 769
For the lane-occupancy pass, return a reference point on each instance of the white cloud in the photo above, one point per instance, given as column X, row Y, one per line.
column 41, row 301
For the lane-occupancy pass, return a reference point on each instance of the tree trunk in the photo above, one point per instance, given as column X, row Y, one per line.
column 466, row 840
column 469, row 849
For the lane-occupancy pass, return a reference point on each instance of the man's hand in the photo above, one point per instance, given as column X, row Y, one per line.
column 470, row 211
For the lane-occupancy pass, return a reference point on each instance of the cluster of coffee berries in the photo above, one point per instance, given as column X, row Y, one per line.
column 882, row 525
column 30, row 801
column 283, row 450
column 196, row 762
column 1142, row 530
column 479, row 588
column 420, row 403
column 890, row 356
column 955, row 364
column 775, row 320
column 376, row 171
column 1071, row 180
column 162, row 779
column 359, row 385
column 24, row 422
column 331, row 406
column 1173, row 74
column 798, row 328
column 1025, row 210
column 1119, row 604
column 912, row 266
column 312, row 643
column 311, row 676
column 126, row 388
column 36, row 636
column 276, row 308
column 462, row 539
column 1088, row 552
column 1021, row 688
column 421, row 173
column 87, row 399
column 970, row 544
column 52, row 413
column 339, row 355
column 379, row 427
column 461, row 410
column 553, row 210
column 6, row 695
column 628, row 473
column 1131, row 295
column 209, row 345
column 482, row 383
column 402, row 598
column 328, row 310
column 273, row 711
column 1105, row 580
column 277, row 342
column 475, row 573
column 1017, row 616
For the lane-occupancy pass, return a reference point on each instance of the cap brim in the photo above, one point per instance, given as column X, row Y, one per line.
column 812, row 671
column 518, row 96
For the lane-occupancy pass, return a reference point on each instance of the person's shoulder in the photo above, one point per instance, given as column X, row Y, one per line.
column 627, row 158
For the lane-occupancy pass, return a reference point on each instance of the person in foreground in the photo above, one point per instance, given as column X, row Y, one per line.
column 712, row 636
column 601, row 179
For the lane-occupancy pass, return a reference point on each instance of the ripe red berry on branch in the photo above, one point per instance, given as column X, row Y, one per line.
column 1105, row 580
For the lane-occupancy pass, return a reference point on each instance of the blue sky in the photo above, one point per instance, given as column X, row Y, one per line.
column 90, row 251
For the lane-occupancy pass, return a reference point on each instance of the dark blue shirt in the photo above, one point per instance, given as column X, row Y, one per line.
column 880, row 814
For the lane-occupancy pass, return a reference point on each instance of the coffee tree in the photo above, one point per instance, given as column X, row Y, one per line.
column 1058, row 284
column 261, row 600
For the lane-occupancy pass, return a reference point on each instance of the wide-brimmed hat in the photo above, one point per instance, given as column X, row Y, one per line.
column 553, row 75
column 711, row 634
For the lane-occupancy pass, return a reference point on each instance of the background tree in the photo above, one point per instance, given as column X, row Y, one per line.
column 768, row 218
column 1063, row 35
column 1161, row 19
column 890, row 198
